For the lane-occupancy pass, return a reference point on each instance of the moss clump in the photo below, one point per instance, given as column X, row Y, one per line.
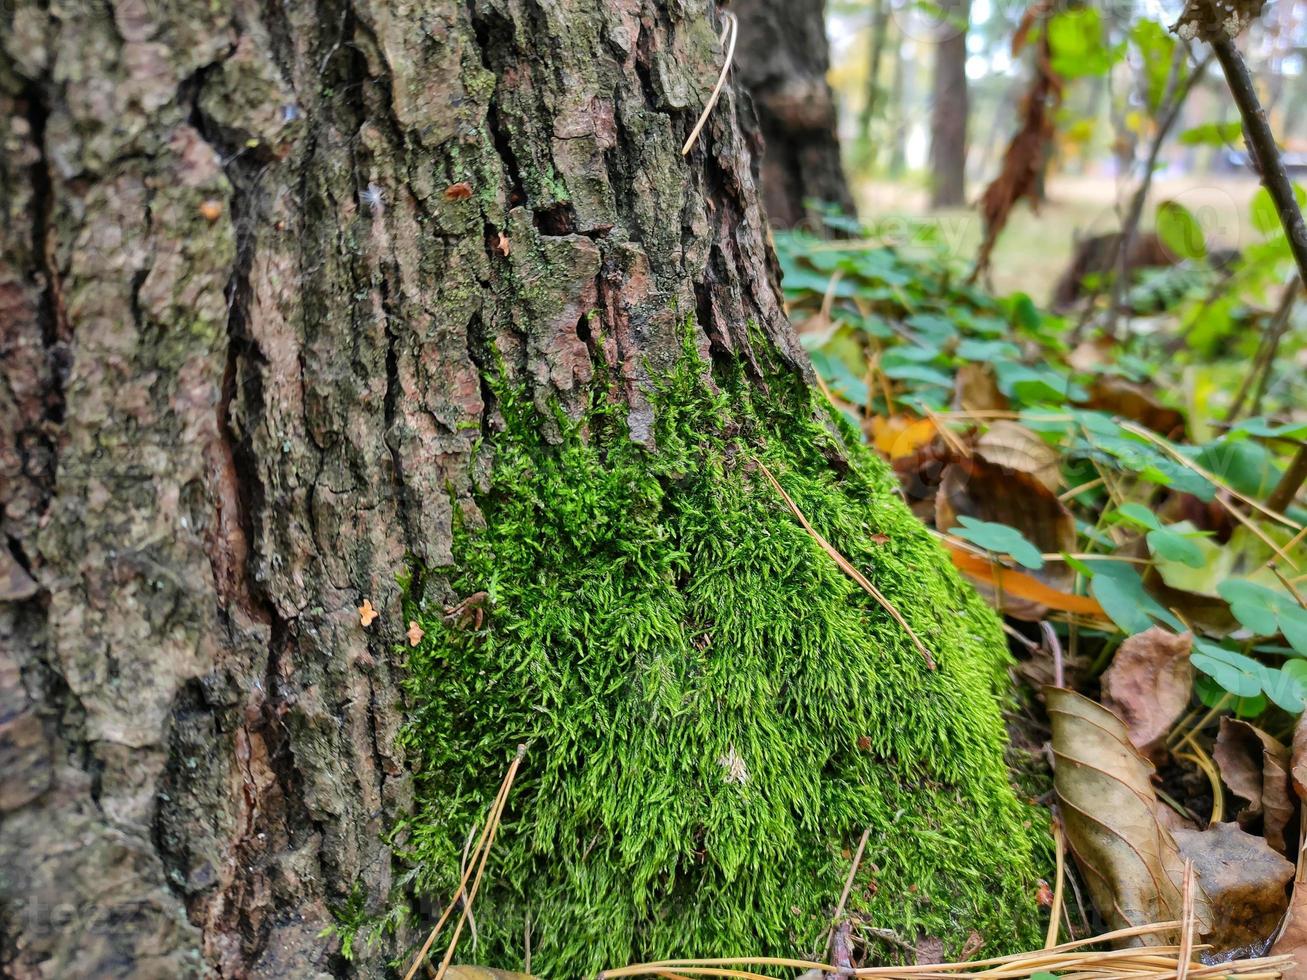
column 715, row 712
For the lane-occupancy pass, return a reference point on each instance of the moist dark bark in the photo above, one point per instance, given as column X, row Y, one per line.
column 782, row 59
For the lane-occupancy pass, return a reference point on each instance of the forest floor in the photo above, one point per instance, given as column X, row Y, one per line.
column 1122, row 484
column 1036, row 248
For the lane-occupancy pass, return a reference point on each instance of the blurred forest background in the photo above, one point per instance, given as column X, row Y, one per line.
column 892, row 61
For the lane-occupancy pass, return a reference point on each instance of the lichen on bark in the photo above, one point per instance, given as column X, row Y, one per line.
column 715, row 712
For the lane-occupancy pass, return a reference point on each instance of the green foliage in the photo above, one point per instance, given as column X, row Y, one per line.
column 1155, row 48
column 351, row 921
column 1169, row 542
column 1180, row 231
column 1212, row 134
column 715, row 712
column 1120, row 590
column 1000, row 539
column 1239, row 675
column 1079, row 46
column 1223, row 319
column 1267, row 612
column 928, row 328
column 927, row 319
column 1244, row 678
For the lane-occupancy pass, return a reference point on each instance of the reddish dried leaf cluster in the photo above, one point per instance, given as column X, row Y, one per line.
column 1023, row 160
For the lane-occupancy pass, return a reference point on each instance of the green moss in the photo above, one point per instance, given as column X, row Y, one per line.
column 715, row 712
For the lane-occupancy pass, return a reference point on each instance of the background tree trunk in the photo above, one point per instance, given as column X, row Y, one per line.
column 948, row 120
column 895, row 107
column 259, row 267
column 879, row 28
column 782, row 60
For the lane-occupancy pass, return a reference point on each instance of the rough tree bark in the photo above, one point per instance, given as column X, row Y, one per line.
column 948, row 119
column 257, row 264
column 782, row 61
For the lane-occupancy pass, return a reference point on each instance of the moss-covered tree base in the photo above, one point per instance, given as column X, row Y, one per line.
column 715, row 712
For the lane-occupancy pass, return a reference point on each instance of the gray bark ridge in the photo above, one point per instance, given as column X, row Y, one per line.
column 256, row 260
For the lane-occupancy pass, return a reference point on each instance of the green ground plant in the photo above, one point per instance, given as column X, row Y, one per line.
column 1164, row 486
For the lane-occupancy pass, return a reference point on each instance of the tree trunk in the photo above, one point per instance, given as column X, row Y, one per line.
column 948, row 120
column 898, row 117
column 782, row 59
column 880, row 10
column 308, row 307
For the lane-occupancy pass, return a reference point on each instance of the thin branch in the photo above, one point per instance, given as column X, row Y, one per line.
column 730, row 32
column 1264, row 358
column 1287, row 489
column 1261, row 144
column 1051, row 939
column 1275, row 178
column 848, row 887
column 1177, row 93
column 482, row 848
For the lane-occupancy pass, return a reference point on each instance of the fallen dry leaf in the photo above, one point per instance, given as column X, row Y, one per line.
column 930, row 949
column 919, row 476
column 971, row 946
column 987, row 491
column 1017, row 585
column 1018, row 448
column 975, row 389
column 1128, row 860
column 1298, row 758
column 414, row 633
column 1116, row 396
column 1256, row 768
column 1090, row 354
column 1148, row 686
column 1244, row 879
column 1171, row 820
column 900, row 435
column 1293, row 937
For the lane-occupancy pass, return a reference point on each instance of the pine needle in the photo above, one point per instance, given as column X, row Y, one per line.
column 493, row 827
column 848, row 568
column 482, row 849
column 729, row 33
column 1054, row 915
column 1210, row 477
